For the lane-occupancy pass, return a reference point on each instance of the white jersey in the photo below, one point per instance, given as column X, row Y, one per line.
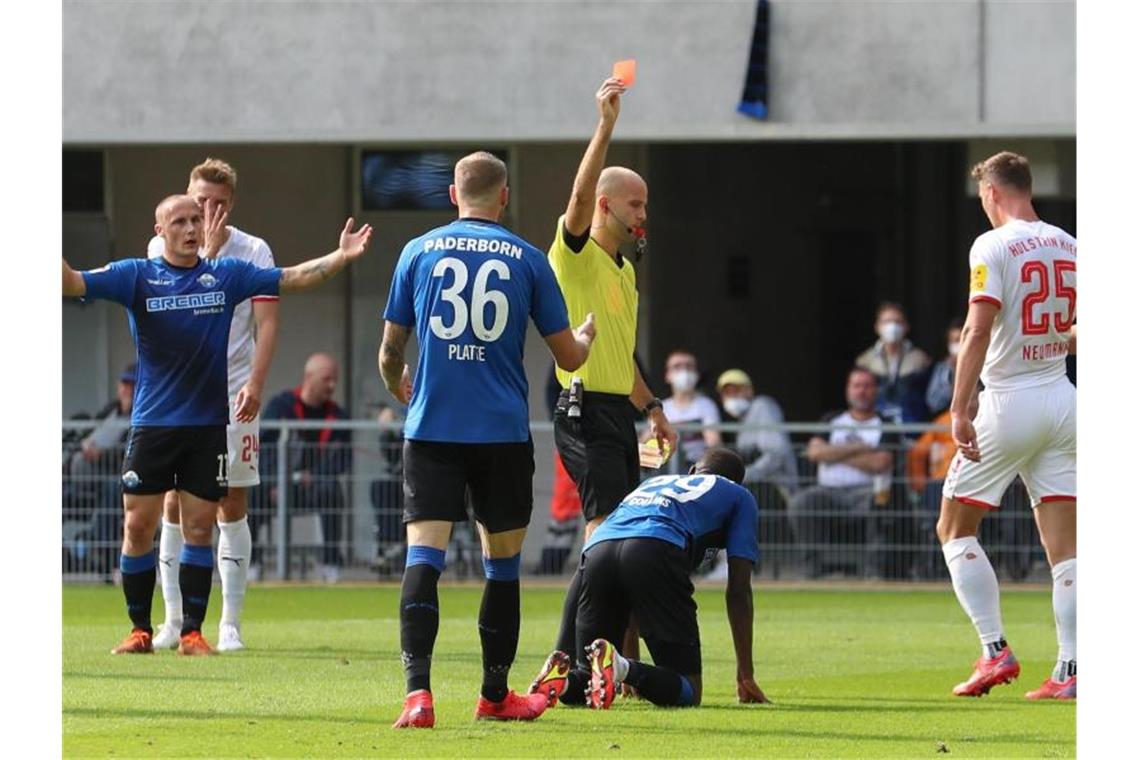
column 1029, row 271
column 701, row 409
column 847, row 430
column 239, row 355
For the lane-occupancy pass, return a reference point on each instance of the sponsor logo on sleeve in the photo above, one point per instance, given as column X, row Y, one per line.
column 978, row 276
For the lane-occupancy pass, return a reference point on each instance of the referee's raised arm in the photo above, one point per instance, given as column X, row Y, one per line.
column 580, row 209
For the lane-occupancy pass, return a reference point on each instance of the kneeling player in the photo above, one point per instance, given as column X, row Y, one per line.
column 638, row 562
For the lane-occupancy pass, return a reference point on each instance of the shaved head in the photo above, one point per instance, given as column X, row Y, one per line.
column 168, row 204
column 479, row 178
column 619, row 182
column 318, row 362
column 319, row 383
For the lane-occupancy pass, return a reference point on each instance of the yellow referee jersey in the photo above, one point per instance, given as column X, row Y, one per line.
column 592, row 281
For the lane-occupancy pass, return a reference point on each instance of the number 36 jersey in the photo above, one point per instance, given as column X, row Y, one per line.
column 1029, row 271
column 469, row 289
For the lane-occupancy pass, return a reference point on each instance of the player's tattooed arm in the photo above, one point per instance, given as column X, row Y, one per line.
column 74, row 285
column 393, row 367
column 315, row 271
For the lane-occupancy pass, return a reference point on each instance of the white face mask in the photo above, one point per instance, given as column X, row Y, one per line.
column 683, row 380
column 737, row 405
column 952, row 348
column 891, row 332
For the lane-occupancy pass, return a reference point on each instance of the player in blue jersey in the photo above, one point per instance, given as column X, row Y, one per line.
column 638, row 562
column 180, row 307
column 468, row 290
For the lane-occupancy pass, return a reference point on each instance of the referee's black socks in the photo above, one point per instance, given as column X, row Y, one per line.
column 138, row 587
column 419, row 614
column 195, row 575
column 499, row 624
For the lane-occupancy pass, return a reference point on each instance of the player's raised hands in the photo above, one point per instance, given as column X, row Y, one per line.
column 748, row 692
column 214, row 227
column 609, row 99
column 965, row 438
column 354, row 244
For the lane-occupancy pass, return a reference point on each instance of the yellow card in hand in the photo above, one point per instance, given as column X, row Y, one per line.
column 651, row 455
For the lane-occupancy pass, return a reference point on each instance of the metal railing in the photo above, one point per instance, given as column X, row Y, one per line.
column 334, row 508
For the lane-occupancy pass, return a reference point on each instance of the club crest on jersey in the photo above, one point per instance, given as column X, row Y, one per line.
column 207, row 280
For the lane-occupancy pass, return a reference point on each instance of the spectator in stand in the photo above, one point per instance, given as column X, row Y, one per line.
column 854, row 471
column 316, row 458
column 688, row 405
column 941, row 386
column 767, row 454
column 899, row 366
column 92, row 483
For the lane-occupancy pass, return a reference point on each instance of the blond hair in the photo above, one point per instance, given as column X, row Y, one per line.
column 216, row 172
column 1006, row 168
column 479, row 176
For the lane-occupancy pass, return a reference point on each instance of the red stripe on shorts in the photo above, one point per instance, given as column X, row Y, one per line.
column 975, row 502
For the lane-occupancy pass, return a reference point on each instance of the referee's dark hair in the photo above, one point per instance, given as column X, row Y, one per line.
column 720, row 461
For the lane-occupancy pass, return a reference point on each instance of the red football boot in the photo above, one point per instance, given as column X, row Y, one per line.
column 552, row 679
column 1053, row 690
column 513, row 707
column 988, row 673
column 602, row 687
column 419, row 712
column 137, row 642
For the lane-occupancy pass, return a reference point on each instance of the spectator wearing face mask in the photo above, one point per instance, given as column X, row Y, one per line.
column 688, row 405
column 767, row 454
column 941, row 386
column 900, row 367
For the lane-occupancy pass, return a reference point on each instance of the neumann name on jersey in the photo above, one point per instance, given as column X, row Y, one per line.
column 190, row 301
column 476, row 245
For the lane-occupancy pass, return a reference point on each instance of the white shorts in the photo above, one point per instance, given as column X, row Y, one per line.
column 242, row 443
column 1031, row 432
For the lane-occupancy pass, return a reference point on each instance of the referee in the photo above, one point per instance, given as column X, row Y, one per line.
column 599, row 446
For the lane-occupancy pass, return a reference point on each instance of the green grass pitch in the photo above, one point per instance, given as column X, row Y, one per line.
column 852, row 673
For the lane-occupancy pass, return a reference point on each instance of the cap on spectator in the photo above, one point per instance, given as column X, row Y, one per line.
column 129, row 374
column 733, row 377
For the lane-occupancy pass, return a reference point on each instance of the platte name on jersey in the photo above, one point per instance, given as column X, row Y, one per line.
column 180, row 320
column 468, row 288
column 1029, row 271
column 694, row 512
column 239, row 354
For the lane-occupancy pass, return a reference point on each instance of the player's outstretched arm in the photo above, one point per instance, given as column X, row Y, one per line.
column 580, row 211
column 315, row 271
column 738, row 601
column 73, row 283
column 393, row 368
column 975, row 342
column 571, row 348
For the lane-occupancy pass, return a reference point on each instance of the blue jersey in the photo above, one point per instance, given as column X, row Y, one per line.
column 469, row 288
column 180, row 320
column 694, row 512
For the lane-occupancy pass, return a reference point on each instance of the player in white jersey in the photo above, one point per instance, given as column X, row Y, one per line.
column 1019, row 329
column 212, row 184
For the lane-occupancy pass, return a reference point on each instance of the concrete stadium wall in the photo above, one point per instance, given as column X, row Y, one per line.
column 366, row 71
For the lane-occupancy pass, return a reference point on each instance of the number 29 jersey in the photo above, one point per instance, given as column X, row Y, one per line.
column 1029, row 271
column 469, row 289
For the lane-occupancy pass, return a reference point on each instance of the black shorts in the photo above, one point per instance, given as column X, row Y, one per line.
column 649, row 579
column 192, row 459
column 599, row 450
column 498, row 477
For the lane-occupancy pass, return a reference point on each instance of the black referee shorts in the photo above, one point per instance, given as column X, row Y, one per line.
column 192, row 459
column 599, row 449
column 498, row 477
column 650, row 579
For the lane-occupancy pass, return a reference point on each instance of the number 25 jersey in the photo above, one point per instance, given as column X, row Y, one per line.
column 1029, row 271
column 469, row 289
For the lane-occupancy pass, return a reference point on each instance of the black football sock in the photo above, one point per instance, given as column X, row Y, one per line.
column 576, row 684
column 419, row 614
column 138, row 587
column 499, row 620
column 567, row 634
column 658, row 685
column 195, row 576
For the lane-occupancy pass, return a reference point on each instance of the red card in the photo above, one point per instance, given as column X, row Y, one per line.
column 626, row 71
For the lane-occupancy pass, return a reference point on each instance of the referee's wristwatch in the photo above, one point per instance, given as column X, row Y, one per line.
column 654, row 403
